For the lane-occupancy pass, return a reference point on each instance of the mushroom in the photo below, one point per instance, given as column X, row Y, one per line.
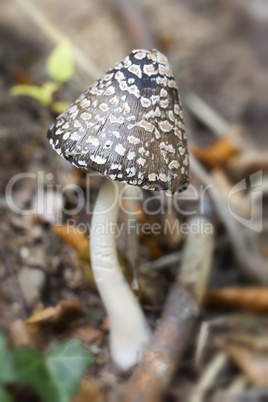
column 128, row 126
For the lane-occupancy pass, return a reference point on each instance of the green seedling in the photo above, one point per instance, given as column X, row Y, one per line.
column 60, row 67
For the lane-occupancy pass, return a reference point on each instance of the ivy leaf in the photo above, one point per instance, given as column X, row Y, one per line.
column 32, row 370
column 55, row 379
column 67, row 361
column 7, row 366
column 60, row 63
column 39, row 93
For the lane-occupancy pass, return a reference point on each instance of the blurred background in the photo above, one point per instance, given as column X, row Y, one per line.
column 218, row 53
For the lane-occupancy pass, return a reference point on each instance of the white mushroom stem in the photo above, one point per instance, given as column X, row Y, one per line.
column 129, row 331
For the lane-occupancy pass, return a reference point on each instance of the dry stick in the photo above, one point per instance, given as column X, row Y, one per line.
column 177, row 324
column 216, row 123
column 238, row 385
column 248, row 162
column 87, row 66
column 163, row 262
column 206, row 114
column 13, row 275
column 209, row 377
column 250, row 263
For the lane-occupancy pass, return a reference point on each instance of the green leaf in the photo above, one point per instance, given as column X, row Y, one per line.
column 7, row 365
column 60, row 64
column 39, row 93
column 50, row 87
column 4, row 397
column 59, row 107
column 55, row 379
column 67, row 361
column 32, row 370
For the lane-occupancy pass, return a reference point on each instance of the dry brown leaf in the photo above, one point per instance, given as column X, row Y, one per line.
column 84, row 332
column 79, row 241
column 216, row 154
column 152, row 245
column 22, row 334
column 88, row 392
column 19, row 333
column 250, row 299
column 250, row 353
column 44, row 315
column 65, row 311
column 22, row 77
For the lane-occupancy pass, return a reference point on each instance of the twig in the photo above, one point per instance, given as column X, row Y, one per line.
column 253, row 298
column 209, row 377
column 197, row 257
column 238, row 385
column 177, row 324
column 202, row 341
column 163, row 262
column 206, row 114
column 87, row 67
column 13, row 275
column 166, row 348
column 249, row 261
column 248, row 162
column 216, row 123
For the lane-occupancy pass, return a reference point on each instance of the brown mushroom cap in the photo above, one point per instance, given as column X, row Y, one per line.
column 128, row 126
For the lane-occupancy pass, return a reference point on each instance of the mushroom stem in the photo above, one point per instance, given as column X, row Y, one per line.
column 129, row 331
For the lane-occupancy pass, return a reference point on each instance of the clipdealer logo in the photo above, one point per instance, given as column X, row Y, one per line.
column 49, row 202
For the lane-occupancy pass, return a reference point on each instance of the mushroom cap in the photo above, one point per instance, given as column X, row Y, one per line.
column 128, row 126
